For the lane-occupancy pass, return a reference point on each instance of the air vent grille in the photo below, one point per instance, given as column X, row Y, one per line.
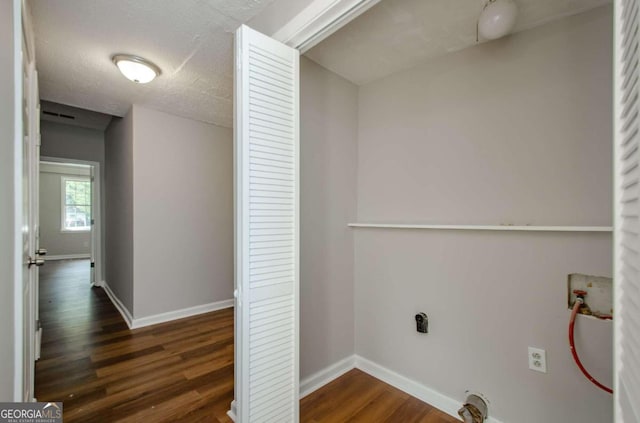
column 62, row 115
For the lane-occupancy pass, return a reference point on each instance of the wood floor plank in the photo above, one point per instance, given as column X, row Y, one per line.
column 409, row 412
column 167, row 411
column 163, row 357
column 380, row 407
column 180, row 371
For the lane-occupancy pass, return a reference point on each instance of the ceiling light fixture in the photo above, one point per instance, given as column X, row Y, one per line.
column 497, row 19
column 136, row 68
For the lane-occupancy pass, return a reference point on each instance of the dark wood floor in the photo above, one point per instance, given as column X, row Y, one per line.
column 104, row 372
column 177, row 371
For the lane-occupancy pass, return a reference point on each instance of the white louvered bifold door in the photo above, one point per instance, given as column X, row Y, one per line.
column 627, row 212
column 267, row 228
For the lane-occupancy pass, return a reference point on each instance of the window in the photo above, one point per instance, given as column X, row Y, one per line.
column 76, row 204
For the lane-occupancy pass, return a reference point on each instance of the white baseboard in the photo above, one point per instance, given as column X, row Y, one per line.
column 413, row 388
column 232, row 411
column 326, row 375
column 315, row 381
column 162, row 317
column 422, row 392
column 180, row 314
column 67, row 257
column 117, row 303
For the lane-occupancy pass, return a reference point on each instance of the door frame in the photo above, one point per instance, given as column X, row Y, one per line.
column 18, row 305
column 96, row 213
column 315, row 23
column 319, row 20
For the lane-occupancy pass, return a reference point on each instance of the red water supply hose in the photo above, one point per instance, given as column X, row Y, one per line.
column 574, row 352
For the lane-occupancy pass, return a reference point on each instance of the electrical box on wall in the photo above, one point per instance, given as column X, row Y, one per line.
column 599, row 298
column 422, row 323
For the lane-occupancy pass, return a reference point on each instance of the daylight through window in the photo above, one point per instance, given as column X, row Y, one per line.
column 76, row 207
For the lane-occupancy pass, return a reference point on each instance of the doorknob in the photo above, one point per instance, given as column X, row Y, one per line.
column 38, row 262
column 41, row 251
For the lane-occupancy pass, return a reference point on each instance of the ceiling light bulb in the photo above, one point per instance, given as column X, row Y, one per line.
column 497, row 19
column 136, row 68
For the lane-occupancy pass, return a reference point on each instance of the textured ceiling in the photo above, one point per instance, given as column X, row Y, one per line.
column 399, row 34
column 190, row 40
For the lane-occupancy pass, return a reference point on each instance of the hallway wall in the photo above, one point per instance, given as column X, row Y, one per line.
column 182, row 213
column 71, row 142
column 119, row 209
column 170, row 214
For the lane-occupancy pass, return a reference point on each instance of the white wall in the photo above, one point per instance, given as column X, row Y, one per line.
column 328, row 134
column 119, row 208
column 57, row 242
column 7, row 192
column 72, row 142
column 518, row 129
column 514, row 131
column 183, row 213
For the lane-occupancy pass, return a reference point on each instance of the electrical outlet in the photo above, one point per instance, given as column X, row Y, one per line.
column 538, row 360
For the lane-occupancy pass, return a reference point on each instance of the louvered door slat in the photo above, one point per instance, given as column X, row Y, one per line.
column 627, row 234
column 267, row 204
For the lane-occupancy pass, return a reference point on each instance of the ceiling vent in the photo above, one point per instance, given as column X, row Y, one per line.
column 62, row 115
column 69, row 115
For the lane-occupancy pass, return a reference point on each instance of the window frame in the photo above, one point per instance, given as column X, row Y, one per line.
column 63, row 203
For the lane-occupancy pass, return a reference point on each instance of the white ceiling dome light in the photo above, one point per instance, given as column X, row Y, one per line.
column 497, row 19
column 136, row 68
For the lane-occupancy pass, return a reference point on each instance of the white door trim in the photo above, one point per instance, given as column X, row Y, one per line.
column 18, row 318
column 319, row 20
column 97, row 216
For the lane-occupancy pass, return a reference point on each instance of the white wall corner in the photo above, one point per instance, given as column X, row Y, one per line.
column 118, row 304
column 326, row 375
column 422, row 392
column 180, row 314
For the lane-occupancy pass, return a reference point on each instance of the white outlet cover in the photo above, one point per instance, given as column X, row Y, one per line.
column 538, row 359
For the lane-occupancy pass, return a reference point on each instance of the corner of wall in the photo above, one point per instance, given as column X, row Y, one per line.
column 122, row 309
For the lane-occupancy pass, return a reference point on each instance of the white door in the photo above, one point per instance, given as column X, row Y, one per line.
column 28, row 270
column 30, row 173
column 627, row 210
column 266, row 150
column 34, row 206
column 94, row 238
